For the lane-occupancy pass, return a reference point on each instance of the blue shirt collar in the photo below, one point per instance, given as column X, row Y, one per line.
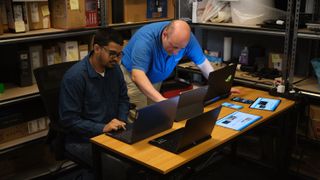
column 91, row 71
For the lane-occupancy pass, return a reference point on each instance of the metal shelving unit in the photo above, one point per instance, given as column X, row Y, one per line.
column 237, row 28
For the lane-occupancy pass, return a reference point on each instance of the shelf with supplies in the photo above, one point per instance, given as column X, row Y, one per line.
column 134, row 25
column 15, row 93
column 309, row 87
column 43, row 34
column 9, row 146
column 308, row 34
column 239, row 28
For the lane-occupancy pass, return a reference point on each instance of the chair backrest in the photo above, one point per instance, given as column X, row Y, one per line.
column 49, row 79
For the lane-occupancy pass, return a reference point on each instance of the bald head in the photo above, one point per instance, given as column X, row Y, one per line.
column 176, row 36
column 179, row 30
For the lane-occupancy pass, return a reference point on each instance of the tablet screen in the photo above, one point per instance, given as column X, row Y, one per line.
column 265, row 104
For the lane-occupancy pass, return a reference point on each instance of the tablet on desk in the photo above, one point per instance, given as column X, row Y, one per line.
column 265, row 104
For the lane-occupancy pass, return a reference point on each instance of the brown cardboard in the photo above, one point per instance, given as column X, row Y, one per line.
column 1, row 25
column 66, row 15
column 136, row 11
column 4, row 17
column 22, row 129
column 16, row 16
column 83, row 51
column 39, row 15
column 69, row 51
column 315, row 121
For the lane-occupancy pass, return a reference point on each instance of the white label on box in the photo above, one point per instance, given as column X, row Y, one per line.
column 17, row 9
column 19, row 26
column 45, row 10
column 42, row 124
column 45, row 22
column 34, row 12
column 35, row 56
column 74, row 4
column 33, row 126
column 83, row 54
column 194, row 11
column 72, row 51
column 50, row 58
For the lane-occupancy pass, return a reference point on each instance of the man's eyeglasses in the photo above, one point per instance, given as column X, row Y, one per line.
column 113, row 54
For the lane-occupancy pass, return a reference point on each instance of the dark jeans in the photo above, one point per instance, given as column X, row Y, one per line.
column 112, row 168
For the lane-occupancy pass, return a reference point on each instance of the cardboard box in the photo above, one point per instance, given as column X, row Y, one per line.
column 83, row 51
column 275, row 60
column 92, row 14
column 39, row 15
column 16, row 14
column 49, row 56
column 4, row 18
column 23, row 129
column 36, row 57
column 314, row 113
column 139, row 10
column 68, row 14
column 69, row 51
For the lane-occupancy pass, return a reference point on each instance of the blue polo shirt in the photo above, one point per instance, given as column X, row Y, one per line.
column 145, row 52
column 88, row 101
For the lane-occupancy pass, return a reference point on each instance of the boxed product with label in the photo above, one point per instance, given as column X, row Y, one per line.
column 36, row 58
column 314, row 113
column 69, row 51
column 92, row 14
column 83, row 51
column 68, row 14
column 39, row 15
column 125, row 11
column 23, row 129
column 17, row 16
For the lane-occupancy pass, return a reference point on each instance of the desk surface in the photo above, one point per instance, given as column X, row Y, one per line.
column 163, row 161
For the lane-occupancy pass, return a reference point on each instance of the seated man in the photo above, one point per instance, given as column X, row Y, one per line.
column 93, row 95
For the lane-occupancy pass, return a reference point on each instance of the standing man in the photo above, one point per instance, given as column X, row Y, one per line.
column 152, row 54
column 93, row 95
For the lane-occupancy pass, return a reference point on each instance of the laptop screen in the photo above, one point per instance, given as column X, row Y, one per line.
column 220, row 83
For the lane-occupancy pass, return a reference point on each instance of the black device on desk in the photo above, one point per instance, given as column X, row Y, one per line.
column 196, row 131
column 220, row 83
column 190, row 103
column 149, row 120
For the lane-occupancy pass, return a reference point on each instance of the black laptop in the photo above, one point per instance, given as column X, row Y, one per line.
column 149, row 120
column 196, row 131
column 220, row 83
column 190, row 103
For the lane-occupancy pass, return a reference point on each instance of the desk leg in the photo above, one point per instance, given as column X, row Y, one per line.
column 96, row 155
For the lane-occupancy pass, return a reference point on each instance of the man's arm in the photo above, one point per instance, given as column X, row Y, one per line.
column 140, row 78
column 205, row 68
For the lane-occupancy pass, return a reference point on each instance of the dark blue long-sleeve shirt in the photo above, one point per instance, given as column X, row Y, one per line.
column 88, row 101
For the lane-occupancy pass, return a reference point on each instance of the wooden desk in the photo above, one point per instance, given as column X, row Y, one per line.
column 162, row 161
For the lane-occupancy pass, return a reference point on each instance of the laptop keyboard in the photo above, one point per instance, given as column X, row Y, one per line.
column 123, row 134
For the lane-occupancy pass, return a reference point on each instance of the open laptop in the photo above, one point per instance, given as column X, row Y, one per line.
column 220, row 83
column 196, row 131
column 149, row 120
column 190, row 103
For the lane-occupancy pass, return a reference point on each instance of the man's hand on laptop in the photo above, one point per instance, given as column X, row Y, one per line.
column 114, row 125
column 235, row 91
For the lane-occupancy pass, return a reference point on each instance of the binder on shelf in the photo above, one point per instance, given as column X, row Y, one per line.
column 25, row 75
column 39, row 15
column 68, row 14
column 36, row 57
column 117, row 11
column 92, row 17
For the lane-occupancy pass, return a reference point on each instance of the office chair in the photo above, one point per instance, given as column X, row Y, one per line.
column 48, row 80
